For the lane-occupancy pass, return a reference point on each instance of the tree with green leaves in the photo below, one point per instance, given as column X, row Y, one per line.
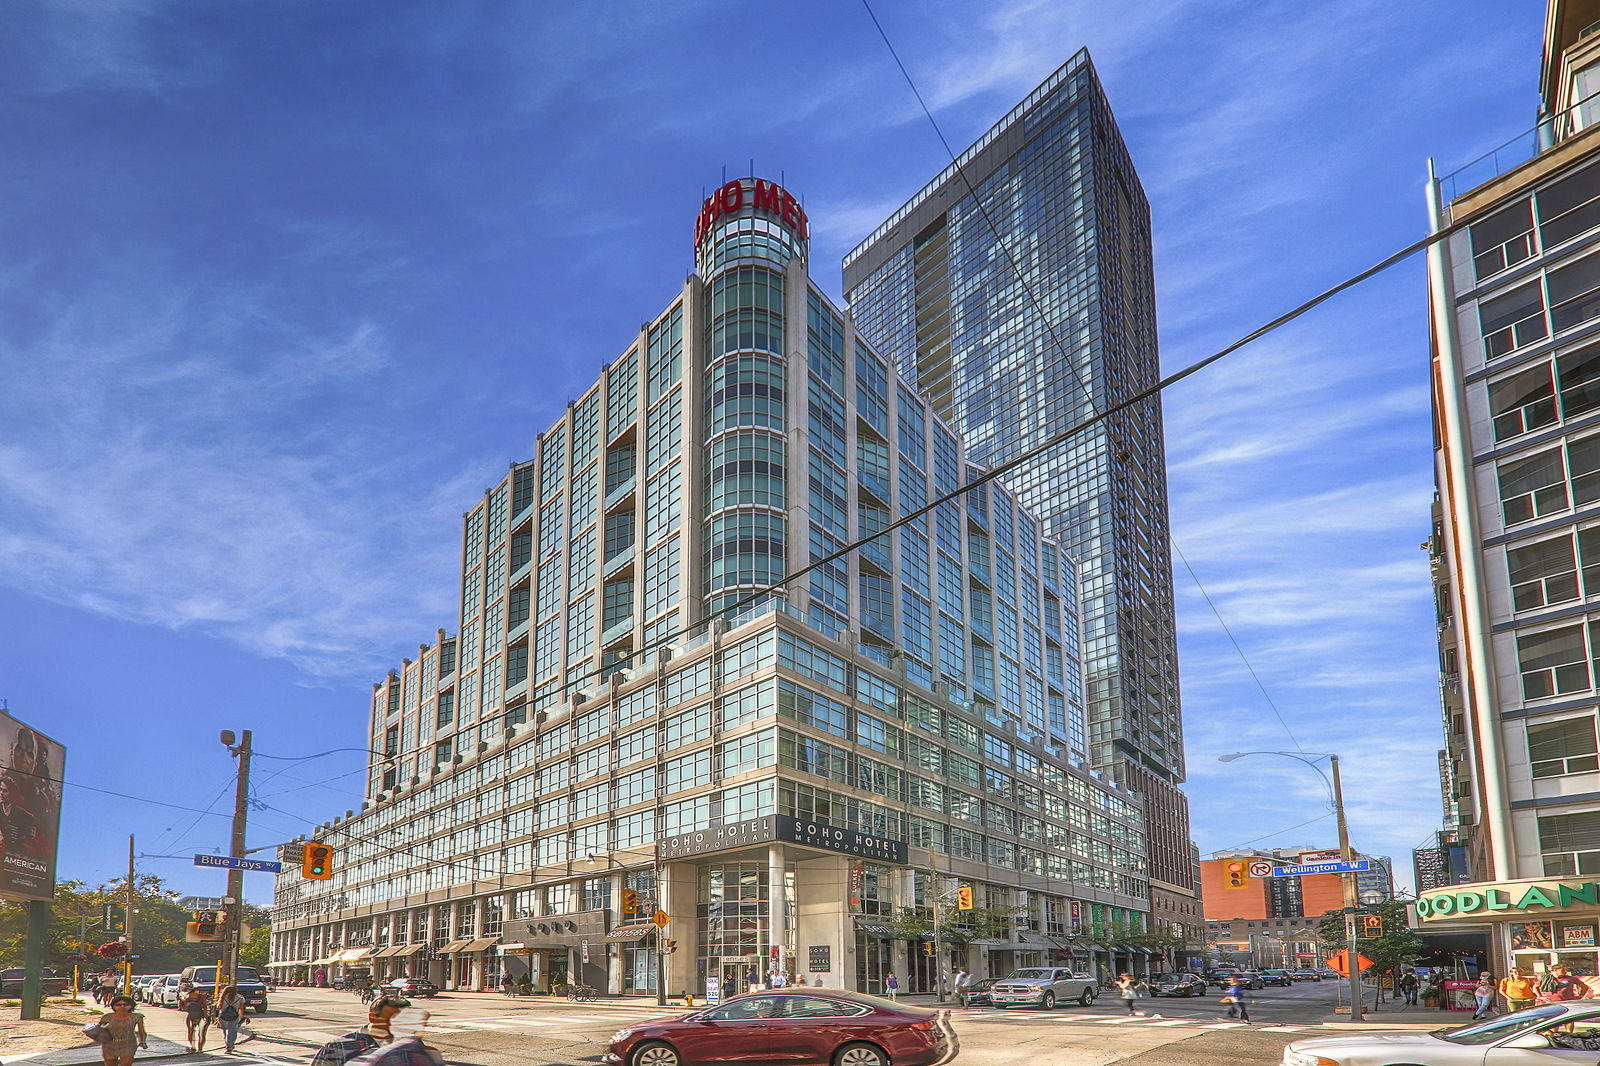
column 1399, row 947
column 158, row 927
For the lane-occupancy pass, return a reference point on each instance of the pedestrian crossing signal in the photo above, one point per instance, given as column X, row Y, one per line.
column 317, row 863
column 206, row 927
column 1372, row 926
column 964, row 898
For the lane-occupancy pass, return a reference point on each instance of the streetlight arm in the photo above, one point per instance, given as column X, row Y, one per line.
column 1298, row 758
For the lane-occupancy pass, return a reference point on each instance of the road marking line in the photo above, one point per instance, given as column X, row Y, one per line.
column 1225, row 1025
column 478, row 1025
column 1123, row 1021
column 1281, row 1029
column 1175, row 1021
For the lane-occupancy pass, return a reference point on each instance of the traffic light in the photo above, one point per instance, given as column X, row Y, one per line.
column 927, row 947
column 206, row 927
column 1235, row 874
column 630, row 901
column 1372, row 926
column 317, row 863
column 964, row 898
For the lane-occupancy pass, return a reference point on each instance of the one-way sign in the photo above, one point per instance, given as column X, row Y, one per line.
column 225, row 862
column 1355, row 867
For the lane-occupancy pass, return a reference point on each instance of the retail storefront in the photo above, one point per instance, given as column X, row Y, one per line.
column 1533, row 924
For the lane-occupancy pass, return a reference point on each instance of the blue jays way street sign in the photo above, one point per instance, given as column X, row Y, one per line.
column 226, row 863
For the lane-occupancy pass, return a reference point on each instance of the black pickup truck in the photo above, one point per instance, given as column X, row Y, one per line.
column 11, row 983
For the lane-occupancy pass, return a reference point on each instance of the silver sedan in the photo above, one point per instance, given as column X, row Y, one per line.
column 1541, row 1036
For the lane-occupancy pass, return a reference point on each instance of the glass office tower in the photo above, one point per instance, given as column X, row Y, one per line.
column 1016, row 290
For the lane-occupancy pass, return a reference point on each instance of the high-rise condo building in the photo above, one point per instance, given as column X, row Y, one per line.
column 795, row 782
column 1514, row 287
column 1015, row 289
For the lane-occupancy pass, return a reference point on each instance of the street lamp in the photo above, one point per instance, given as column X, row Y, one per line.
column 1336, row 795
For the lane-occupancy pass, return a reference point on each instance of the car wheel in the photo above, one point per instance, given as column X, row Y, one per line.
column 656, row 1053
column 1048, row 1001
column 860, row 1055
column 1086, row 998
column 261, row 1009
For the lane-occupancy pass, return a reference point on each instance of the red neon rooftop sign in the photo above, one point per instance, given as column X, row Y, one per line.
column 763, row 197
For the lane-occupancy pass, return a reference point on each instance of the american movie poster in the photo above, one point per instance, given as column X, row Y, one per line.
column 31, row 767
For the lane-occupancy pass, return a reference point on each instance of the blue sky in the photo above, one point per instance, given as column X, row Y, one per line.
column 284, row 287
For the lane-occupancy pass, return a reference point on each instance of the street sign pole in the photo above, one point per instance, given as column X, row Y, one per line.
column 235, row 901
column 1349, row 879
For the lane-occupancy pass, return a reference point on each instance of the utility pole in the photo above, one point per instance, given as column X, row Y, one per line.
column 127, row 927
column 1352, row 947
column 234, row 903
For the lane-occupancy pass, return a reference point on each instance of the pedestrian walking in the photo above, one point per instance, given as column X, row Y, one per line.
column 891, row 986
column 752, row 981
column 779, row 979
column 1128, row 987
column 123, row 1027
column 963, row 985
column 406, row 1048
column 1517, row 989
column 230, row 1015
column 374, row 1034
column 197, row 1016
column 1558, row 986
column 1234, row 998
column 1410, row 987
column 106, row 988
column 1482, row 997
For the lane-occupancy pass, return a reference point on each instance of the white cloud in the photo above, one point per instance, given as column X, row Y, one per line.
column 160, row 470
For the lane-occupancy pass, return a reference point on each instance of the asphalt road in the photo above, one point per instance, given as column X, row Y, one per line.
column 490, row 1030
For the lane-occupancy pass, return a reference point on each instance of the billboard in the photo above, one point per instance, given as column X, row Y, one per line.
column 31, row 769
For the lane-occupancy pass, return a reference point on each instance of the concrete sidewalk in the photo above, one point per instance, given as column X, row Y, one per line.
column 168, row 1038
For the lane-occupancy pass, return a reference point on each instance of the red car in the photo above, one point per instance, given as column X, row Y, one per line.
column 823, row 1026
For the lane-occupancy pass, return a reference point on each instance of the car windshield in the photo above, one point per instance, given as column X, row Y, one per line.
column 1171, row 976
column 1497, row 1028
column 1033, row 975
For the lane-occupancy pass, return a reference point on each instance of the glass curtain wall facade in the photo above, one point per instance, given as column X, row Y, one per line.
column 1021, row 306
column 607, row 694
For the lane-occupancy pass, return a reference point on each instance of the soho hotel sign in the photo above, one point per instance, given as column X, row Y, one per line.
column 760, row 197
column 774, row 828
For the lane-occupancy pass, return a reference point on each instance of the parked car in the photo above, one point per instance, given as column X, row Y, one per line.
column 164, row 990
column 11, row 982
column 1044, row 987
column 1250, row 979
column 1277, row 978
column 143, row 984
column 244, row 978
column 978, row 993
column 1528, row 1036
column 1305, row 975
column 1329, row 975
column 413, row 986
column 1177, row 984
column 816, row 1026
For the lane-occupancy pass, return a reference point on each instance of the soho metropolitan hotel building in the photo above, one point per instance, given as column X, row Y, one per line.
column 782, row 781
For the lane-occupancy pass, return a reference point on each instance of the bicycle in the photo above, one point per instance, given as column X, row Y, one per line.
column 580, row 994
column 367, row 995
